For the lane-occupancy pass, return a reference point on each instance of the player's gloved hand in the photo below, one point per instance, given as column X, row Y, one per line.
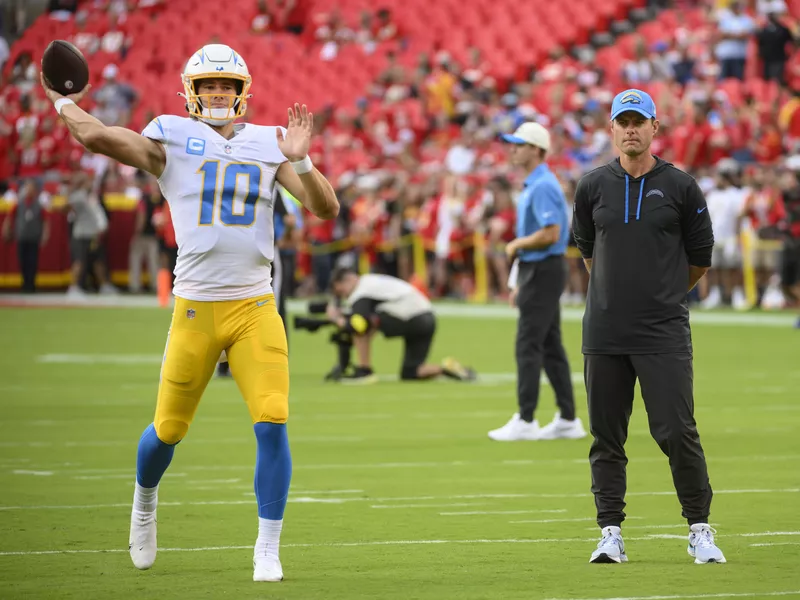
column 297, row 141
column 53, row 95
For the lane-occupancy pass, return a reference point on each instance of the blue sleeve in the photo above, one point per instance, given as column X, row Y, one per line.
column 548, row 205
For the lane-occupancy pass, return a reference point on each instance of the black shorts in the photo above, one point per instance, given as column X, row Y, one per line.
column 790, row 263
column 85, row 251
column 417, row 334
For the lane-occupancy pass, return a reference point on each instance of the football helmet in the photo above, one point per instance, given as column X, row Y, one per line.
column 216, row 61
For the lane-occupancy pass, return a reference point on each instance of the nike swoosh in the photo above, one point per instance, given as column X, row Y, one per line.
column 262, row 303
column 699, row 210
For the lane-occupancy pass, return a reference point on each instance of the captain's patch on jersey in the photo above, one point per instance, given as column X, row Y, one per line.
column 195, row 146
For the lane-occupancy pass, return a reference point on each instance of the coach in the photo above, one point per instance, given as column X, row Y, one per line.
column 643, row 229
column 542, row 234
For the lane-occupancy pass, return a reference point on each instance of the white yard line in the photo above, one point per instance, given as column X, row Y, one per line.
column 427, row 505
column 692, row 596
column 500, row 512
column 126, row 476
column 626, row 527
column 576, row 520
column 413, row 465
column 775, row 544
column 387, row 500
column 444, row 309
column 391, row 543
column 194, row 483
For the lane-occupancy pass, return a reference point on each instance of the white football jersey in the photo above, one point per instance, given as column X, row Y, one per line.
column 220, row 194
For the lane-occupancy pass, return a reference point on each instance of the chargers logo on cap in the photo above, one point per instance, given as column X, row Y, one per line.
column 631, row 98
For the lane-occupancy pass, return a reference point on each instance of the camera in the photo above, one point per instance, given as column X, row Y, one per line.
column 311, row 324
column 343, row 340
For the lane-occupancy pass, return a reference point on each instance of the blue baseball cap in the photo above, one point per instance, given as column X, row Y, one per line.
column 635, row 100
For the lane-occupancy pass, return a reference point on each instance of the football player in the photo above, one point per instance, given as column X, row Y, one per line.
column 218, row 177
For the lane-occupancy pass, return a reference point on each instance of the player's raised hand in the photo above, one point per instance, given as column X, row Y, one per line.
column 297, row 141
column 53, row 95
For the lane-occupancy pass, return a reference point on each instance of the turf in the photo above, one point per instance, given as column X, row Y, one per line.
column 379, row 473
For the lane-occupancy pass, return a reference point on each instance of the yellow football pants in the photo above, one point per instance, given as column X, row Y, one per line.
column 252, row 333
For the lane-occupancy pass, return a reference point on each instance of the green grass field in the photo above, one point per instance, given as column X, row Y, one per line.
column 397, row 491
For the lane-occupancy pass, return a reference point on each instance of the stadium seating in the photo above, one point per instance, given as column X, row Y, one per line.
column 287, row 69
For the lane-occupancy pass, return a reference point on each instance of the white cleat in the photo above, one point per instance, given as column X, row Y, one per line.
column 266, row 568
column 702, row 547
column 142, row 542
column 516, row 430
column 561, row 429
column 611, row 548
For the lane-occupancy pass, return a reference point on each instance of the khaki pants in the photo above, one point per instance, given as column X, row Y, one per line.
column 142, row 247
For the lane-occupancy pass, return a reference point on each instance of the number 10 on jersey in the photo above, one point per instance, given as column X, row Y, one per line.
column 230, row 178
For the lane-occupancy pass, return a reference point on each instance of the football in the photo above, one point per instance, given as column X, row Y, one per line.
column 64, row 68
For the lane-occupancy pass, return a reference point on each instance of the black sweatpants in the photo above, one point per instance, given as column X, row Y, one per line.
column 539, row 343
column 28, row 257
column 666, row 381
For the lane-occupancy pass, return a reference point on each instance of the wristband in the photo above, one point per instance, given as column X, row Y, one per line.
column 301, row 167
column 61, row 103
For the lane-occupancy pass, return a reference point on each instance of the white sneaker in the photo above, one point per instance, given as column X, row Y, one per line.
column 74, row 291
column 561, row 429
column 773, row 298
column 266, row 568
column 142, row 541
column 701, row 545
column 713, row 300
column 611, row 548
column 516, row 430
column 108, row 289
column 739, row 300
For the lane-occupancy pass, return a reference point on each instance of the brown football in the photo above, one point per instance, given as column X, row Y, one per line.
column 64, row 67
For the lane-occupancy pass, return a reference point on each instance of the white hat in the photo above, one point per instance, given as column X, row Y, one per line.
column 530, row 133
column 110, row 71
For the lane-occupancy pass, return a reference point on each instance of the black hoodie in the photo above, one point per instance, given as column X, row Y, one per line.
column 642, row 234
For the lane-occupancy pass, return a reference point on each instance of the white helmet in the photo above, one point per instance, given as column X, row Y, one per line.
column 216, row 61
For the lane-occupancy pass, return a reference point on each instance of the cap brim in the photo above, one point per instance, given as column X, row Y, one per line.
column 512, row 139
column 641, row 111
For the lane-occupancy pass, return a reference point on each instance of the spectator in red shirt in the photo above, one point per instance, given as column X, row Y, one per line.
column 501, row 223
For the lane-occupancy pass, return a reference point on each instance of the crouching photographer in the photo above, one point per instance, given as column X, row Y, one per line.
column 342, row 338
column 393, row 307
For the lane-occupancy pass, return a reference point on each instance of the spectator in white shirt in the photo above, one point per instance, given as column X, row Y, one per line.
column 734, row 29
column 725, row 203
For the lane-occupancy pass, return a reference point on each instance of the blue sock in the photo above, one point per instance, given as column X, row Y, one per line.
column 273, row 469
column 152, row 458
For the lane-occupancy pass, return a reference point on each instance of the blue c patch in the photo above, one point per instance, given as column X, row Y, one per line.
column 195, row 146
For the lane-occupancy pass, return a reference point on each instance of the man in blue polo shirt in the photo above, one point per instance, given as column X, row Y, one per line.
column 540, row 271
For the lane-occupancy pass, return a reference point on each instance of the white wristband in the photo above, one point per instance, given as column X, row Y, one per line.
column 513, row 275
column 61, row 103
column 302, row 167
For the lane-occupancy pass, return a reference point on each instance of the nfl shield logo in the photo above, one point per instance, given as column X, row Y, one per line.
column 228, row 149
column 190, row 313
